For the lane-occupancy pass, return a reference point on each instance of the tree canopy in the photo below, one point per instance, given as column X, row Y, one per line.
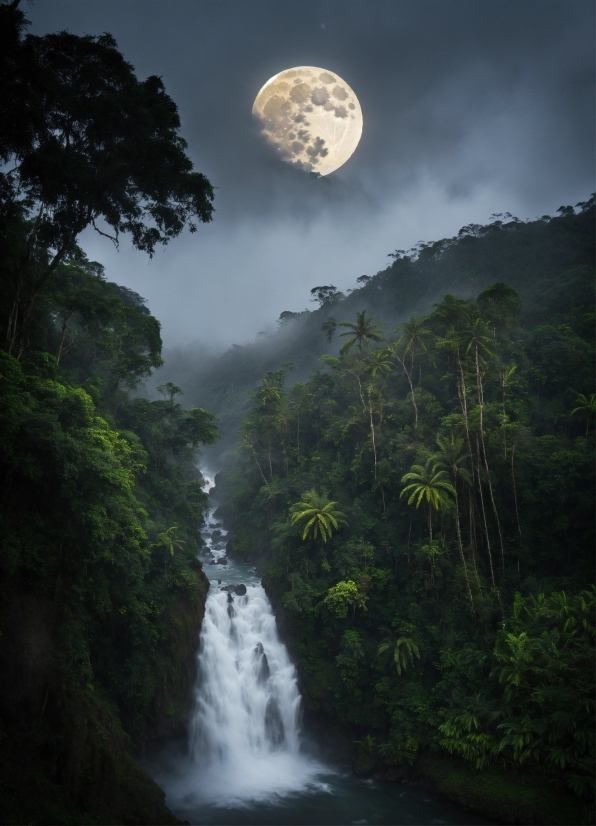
column 85, row 143
column 102, row 502
column 450, row 614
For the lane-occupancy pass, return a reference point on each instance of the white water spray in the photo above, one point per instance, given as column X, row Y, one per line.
column 247, row 701
column 244, row 764
column 245, row 731
column 244, row 734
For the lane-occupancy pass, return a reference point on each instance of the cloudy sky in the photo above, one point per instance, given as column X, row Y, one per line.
column 470, row 107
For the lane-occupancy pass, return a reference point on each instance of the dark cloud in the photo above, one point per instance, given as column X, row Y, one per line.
column 470, row 107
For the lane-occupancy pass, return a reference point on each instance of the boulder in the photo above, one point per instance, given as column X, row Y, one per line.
column 239, row 590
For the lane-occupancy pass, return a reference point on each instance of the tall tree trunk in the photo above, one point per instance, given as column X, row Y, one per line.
column 22, row 307
column 372, row 432
column 463, row 401
column 519, row 530
column 62, row 337
column 430, row 523
column 490, row 485
column 406, row 371
column 254, row 453
column 430, row 533
column 490, row 556
column 473, row 542
column 270, row 465
column 461, row 552
column 367, row 410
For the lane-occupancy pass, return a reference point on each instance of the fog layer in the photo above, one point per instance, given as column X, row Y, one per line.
column 469, row 108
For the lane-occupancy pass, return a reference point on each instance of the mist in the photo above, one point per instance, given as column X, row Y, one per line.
column 468, row 110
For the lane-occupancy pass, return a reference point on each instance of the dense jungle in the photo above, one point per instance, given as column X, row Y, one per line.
column 101, row 591
column 423, row 508
column 410, row 467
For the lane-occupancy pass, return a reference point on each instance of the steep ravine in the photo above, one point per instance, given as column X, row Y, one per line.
column 65, row 756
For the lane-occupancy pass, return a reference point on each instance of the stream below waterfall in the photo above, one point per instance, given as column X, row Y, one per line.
column 245, row 762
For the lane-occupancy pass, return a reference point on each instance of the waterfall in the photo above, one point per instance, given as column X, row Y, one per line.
column 244, row 763
column 247, row 700
column 244, row 733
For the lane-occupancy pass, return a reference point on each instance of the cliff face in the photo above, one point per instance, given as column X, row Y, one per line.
column 64, row 754
column 168, row 717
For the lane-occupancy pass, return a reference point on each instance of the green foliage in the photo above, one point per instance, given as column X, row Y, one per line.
column 83, row 142
column 363, row 332
column 465, row 479
column 427, row 484
column 540, row 709
column 344, row 596
column 320, row 517
column 102, row 502
column 403, row 649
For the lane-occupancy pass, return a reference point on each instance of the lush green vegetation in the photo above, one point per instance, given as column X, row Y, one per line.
column 102, row 592
column 528, row 256
column 453, row 612
column 422, row 504
column 102, row 502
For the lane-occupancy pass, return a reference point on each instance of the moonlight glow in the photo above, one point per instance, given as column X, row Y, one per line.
column 311, row 117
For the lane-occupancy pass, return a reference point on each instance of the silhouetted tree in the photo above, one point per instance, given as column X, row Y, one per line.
column 84, row 143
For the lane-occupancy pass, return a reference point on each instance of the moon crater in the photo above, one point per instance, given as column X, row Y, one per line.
column 312, row 118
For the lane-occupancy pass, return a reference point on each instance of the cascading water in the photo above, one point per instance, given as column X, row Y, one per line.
column 245, row 729
column 244, row 763
column 247, row 701
column 244, row 733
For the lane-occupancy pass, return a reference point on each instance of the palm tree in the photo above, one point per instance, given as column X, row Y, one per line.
column 452, row 455
column 404, row 650
column 167, row 539
column 477, row 341
column 379, row 365
column 319, row 518
column 587, row 406
column 318, row 515
column 270, row 392
column 364, row 331
column 379, row 362
column 428, row 484
column 413, row 334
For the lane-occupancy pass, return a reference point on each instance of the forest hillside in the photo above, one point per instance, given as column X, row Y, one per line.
column 101, row 592
column 410, row 466
column 422, row 507
column 529, row 256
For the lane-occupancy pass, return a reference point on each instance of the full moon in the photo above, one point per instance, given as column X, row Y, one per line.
column 311, row 117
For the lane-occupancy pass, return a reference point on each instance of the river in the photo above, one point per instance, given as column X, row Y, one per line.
column 246, row 761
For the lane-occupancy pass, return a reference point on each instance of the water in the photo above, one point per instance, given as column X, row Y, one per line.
column 245, row 763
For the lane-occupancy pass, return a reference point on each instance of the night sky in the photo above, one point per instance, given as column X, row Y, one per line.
column 470, row 108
